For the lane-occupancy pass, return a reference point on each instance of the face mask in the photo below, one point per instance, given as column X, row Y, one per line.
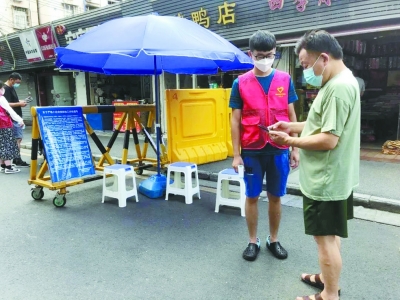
column 310, row 76
column 2, row 92
column 16, row 85
column 264, row 65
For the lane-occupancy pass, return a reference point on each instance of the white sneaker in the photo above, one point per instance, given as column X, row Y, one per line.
column 12, row 170
column 3, row 169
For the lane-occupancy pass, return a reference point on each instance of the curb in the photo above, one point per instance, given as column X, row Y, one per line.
column 367, row 201
column 364, row 200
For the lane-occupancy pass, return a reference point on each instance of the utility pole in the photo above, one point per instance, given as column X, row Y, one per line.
column 30, row 14
column 38, row 12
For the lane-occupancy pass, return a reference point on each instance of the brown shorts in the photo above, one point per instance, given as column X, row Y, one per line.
column 327, row 217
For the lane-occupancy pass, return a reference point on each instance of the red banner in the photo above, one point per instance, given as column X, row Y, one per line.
column 47, row 41
column 118, row 116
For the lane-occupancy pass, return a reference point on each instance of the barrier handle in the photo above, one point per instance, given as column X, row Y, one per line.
column 198, row 92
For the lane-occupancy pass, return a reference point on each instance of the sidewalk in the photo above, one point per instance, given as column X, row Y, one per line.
column 379, row 173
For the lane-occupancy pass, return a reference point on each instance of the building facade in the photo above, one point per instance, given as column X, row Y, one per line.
column 22, row 14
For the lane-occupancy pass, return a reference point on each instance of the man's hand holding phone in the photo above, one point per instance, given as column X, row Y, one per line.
column 281, row 126
column 263, row 127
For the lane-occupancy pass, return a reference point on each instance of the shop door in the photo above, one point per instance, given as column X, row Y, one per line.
column 42, row 91
column 56, row 89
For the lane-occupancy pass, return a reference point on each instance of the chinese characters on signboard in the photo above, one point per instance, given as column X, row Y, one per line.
column 47, row 41
column 227, row 14
column 38, row 44
column 31, row 46
column 301, row 5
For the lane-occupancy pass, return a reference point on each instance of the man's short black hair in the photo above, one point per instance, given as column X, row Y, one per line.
column 262, row 40
column 319, row 41
column 15, row 76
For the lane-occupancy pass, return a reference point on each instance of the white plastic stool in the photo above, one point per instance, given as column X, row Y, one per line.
column 187, row 188
column 226, row 197
column 118, row 189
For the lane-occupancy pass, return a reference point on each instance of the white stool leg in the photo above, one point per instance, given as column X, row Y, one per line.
column 242, row 198
column 218, row 195
column 104, row 187
column 168, row 185
column 198, row 184
column 188, row 187
column 121, row 190
column 134, row 186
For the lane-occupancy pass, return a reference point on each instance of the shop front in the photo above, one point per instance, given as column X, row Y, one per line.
column 374, row 58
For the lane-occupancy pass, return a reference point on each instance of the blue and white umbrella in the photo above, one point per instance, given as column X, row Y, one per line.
column 148, row 45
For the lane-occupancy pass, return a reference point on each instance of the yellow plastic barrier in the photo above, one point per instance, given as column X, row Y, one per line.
column 41, row 179
column 228, row 124
column 197, row 125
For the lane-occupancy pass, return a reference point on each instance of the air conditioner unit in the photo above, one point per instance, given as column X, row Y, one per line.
column 93, row 2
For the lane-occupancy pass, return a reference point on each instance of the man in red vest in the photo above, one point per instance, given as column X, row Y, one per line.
column 262, row 97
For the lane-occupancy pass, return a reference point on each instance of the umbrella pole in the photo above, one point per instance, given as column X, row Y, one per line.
column 158, row 129
column 155, row 186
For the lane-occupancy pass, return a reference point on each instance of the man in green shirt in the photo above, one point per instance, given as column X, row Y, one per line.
column 329, row 154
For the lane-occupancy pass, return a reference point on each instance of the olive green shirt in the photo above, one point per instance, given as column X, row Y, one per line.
column 327, row 175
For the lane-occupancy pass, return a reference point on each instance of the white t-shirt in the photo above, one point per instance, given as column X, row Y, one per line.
column 361, row 84
column 4, row 104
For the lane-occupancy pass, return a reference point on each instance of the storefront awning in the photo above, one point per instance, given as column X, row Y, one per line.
column 289, row 42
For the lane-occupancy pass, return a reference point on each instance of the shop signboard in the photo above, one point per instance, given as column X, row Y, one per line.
column 227, row 14
column 47, row 41
column 65, row 142
column 31, row 46
column 118, row 115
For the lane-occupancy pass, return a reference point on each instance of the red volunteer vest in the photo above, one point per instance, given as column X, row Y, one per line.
column 5, row 119
column 261, row 108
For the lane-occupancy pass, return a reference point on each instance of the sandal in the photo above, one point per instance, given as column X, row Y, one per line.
column 317, row 283
column 316, row 297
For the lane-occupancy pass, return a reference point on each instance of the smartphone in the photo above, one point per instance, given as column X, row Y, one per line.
column 263, row 127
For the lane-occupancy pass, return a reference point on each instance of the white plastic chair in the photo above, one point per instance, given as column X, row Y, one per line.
column 225, row 196
column 118, row 189
column 187, row 188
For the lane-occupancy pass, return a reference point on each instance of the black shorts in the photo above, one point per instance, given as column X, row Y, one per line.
column 323, row 218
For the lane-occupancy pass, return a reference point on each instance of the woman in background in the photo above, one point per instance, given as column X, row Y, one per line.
column 8, row 145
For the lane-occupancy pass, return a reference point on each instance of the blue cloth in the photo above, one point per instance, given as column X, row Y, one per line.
column 236, row 102
column 148, row 44
column 17, row 130
column 276, row 168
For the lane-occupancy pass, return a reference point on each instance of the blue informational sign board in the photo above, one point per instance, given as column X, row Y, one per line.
column 65, row 142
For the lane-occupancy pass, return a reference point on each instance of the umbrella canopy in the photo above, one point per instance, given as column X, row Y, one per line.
column 128, row 46
column 148, row 45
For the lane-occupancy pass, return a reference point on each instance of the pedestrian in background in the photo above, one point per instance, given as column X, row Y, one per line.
column 262, row 96
column 329, row 152
column 13, row 82
column 361, row 82
column 8, row 145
